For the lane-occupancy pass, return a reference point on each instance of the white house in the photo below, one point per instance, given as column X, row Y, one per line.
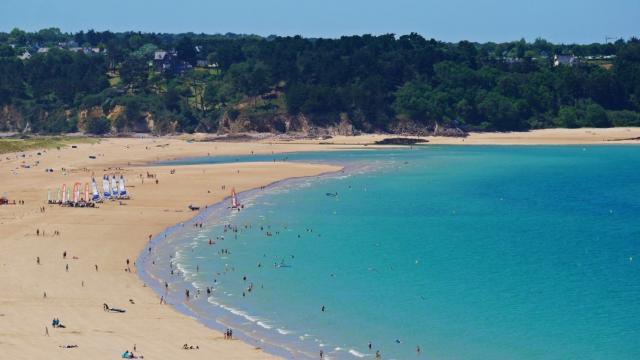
column 568, row 60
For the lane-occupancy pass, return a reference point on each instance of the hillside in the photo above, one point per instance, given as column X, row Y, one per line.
column 99, row 82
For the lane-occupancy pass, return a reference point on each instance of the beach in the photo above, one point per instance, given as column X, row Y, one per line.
column 107, row 236
column 583, row 136
column 110, row 235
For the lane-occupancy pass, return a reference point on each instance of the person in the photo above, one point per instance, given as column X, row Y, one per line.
column 321, row 354
column 369, row 345
column 67, row 267
column 418, row 349
column 38, row 260
column 378, row 356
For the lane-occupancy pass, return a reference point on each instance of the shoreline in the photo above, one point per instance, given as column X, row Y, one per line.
column 154, row 281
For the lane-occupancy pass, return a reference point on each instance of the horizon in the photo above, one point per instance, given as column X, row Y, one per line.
column 582, row 22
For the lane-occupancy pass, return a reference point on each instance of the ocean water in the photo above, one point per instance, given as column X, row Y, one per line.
column 467, row 252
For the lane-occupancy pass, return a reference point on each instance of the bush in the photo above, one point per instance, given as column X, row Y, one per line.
column 98, row 126
column 624, row 118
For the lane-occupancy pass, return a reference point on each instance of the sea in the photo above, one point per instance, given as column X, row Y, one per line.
column 428, row 252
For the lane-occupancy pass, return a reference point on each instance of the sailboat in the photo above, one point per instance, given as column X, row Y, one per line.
column 235, row 204
column 64, row 194
column 95, row 195
column 114, row 186
column 105, row 187
column 76, row 193
column 122, row 189
column 86, row 193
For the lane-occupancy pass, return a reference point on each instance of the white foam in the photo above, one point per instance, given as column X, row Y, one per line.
column 239, row 313
column 264, row 325
column 283, row 331
column 356, row 353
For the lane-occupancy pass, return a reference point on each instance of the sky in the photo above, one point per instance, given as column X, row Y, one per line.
column 565, row 21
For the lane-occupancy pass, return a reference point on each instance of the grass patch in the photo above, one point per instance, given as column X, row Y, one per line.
column 47, row 142
column 114, row 81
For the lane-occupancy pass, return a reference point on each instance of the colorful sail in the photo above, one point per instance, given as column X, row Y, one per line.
column 76, row 192
column 234, row 199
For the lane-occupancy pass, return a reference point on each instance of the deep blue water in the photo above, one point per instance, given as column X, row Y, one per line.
column 468, row 252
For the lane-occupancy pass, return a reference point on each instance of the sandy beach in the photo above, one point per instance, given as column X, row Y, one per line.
column 109, row 235
column 584, row 136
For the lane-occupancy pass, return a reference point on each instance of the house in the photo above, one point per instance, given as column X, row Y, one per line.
column 568, row 60
column 162, row 60
column 167, row 61
column 26, row 55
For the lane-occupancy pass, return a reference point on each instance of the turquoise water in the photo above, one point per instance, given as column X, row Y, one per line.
column 468, row 252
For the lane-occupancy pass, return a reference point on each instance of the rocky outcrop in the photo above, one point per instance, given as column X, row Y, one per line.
column 11, row 119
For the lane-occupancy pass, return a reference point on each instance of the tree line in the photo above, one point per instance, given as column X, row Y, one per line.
column 372, row 82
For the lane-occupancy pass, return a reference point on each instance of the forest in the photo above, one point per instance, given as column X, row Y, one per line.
column 104, row 82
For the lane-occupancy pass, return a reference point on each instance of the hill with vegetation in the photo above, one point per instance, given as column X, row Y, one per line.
column 99, row 82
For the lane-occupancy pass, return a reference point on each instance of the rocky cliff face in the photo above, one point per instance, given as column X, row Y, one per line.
column 11, row 119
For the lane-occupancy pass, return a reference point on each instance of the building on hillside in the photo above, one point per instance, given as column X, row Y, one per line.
column 43, row 50
column 167, row 61
column 26, row 55
column 567, row 60
column 162, row 60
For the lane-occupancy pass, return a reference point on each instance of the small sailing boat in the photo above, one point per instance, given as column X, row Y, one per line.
column 105, row 187
column 95, row 195
column 235, row 204
column 114, row 186
column 65, row 196
column 122, row 189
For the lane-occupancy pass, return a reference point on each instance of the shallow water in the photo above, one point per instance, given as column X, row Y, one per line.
column 468, row 252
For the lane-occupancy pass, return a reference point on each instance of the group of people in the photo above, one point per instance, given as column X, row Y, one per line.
column 56, row 323
column 228, row 334
column 55, row 232
column 130, row 355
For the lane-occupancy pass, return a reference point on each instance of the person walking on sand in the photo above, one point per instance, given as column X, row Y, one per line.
column 38, row 260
